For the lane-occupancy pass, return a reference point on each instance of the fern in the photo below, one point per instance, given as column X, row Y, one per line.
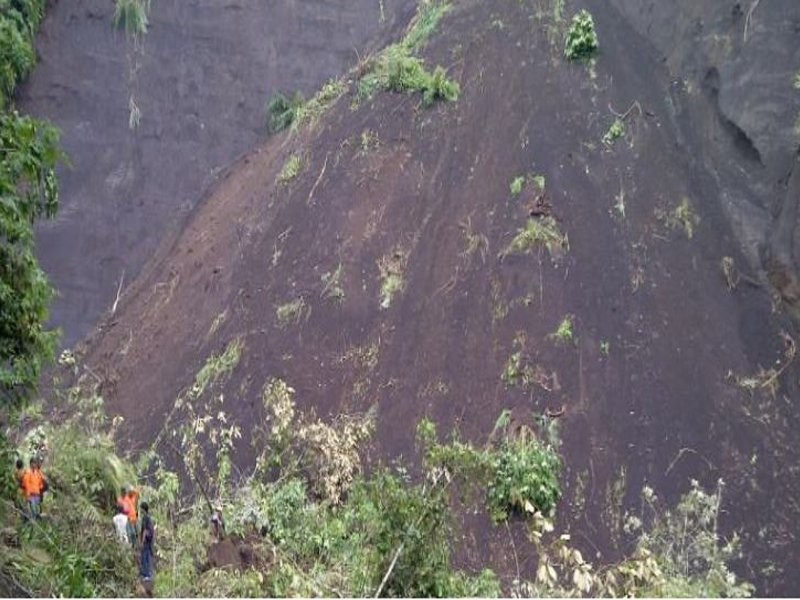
column 131, row 16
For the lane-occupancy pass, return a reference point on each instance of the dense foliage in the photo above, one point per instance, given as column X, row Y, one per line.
column 581, row 38
column 28, row 191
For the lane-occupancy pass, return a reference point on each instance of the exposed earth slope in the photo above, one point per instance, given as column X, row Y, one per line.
column 389, row 271
column 201, row 80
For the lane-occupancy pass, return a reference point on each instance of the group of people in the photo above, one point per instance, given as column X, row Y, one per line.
column 130, row 531
column 140, row 534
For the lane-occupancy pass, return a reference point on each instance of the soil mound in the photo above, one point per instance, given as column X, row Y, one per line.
column 399, row 268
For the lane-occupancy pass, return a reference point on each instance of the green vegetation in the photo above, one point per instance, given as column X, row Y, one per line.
column 291, row 313
column 396, row 68
column 18, row 24
column 397, row 71
column 28, row 192
column 331, row 285
column 316, row 524
column 581, row 38
column 217, row 366
column 615, row 131
column 131, row 16
column 682, row 217
column 291, row 169
column 296, row 112
column 796, row 81
column 682, row 555
column 429, row 13
column 605, row 347
column 283, row 111
column 516, row 185
column 392, row 269
column 564, row 333
column 525, row 478
column 537, row 233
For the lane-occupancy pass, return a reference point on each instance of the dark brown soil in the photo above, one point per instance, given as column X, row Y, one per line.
column 206, row 72
column 644, row 384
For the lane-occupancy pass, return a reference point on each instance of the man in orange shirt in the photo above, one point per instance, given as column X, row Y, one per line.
column 34, row 485
column 128, row 502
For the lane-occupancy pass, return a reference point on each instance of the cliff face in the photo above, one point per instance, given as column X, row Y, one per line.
column 203, row 75
column 399, row 269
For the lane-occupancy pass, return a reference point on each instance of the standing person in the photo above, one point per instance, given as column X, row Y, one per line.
column 217, row 524
column 128, row 502
column 146, row 539
column 121, row 525
column 34, row 485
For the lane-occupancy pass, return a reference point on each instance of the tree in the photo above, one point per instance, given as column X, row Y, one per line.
column 28, row 191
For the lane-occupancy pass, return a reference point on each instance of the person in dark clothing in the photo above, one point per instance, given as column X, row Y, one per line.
column 146, row 538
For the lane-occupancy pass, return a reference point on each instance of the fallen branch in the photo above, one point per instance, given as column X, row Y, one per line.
column 683, row 451
column 390, row 569
column 316, row 183
column 623, row 116
column 119, row 291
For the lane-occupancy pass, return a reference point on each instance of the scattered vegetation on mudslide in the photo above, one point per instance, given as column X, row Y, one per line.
column 303, row 519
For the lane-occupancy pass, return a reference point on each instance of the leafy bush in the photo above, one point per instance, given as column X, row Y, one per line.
column 291, row 169
column 28, row 191
column 525, row 480
column 283, row 111
column 581, row 38
column 131, row 16
column 429, row 13
column 615, row 131
column 398, row 71
column 516, row 185
column 17, row 55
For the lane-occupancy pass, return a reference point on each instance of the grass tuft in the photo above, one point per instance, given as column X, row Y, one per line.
column 291, row 313
column 537, row 233
column 291, row 169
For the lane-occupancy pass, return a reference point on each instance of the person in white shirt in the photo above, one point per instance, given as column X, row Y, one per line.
column 121, row 525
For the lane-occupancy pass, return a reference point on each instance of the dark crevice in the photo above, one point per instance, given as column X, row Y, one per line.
column 742, row 143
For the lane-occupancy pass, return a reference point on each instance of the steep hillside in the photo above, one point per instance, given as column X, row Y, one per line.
column 388, row 254
column 201, row 79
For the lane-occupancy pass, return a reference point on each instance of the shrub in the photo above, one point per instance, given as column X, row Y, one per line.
column 290, row 313
column 131, row 16
column 537, row 233
column 17, row 56
column 581, row 38
column 525, row 479
column 283, row 111
column 615, row 131
column 516, row 185
column 564, row 334
column 397, row 70
column 291, row 169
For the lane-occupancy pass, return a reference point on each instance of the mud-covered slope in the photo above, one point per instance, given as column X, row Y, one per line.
column 648, row 383
column 202, row 79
